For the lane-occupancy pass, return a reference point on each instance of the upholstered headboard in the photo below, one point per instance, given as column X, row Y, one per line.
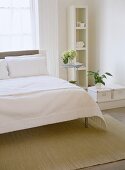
column 20, row 53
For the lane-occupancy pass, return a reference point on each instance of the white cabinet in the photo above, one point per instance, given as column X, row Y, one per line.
column 100, row 95
column 78, row 40
column 112, row 96
column 118, row 92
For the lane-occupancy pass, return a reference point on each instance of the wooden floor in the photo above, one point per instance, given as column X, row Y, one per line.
column 118, row 114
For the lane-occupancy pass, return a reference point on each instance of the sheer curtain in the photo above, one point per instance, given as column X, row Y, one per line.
column 48, row 23
column 17, row 25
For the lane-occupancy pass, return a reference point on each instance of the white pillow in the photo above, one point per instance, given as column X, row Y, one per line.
column 3, row 69
column 26, row 66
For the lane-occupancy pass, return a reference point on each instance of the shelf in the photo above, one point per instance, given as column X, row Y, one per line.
column 78, row 40
column 81, row 28
column 80, row 49
column 73, row 65
column 85, row 88
column 82, row 68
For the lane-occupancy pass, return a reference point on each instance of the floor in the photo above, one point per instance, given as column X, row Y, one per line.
column 118, row 114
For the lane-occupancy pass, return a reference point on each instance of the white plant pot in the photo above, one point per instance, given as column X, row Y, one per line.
column 98, row 85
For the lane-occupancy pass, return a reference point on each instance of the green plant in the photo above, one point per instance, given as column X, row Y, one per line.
column 99, row 78
column 68, row 56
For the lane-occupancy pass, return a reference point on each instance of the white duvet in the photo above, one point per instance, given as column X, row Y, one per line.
column 40, row 100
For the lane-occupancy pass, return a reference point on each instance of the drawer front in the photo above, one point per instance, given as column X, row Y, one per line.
column 118, row 94
column 104, row 96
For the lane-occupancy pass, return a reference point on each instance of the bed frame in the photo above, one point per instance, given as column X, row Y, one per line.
column 31, row 52
column 20, row 53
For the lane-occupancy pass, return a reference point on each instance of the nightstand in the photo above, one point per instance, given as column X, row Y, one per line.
column 101, row 94
column 111, row 96
column 76, row 66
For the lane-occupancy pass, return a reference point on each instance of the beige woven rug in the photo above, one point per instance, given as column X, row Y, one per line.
column 64, row 146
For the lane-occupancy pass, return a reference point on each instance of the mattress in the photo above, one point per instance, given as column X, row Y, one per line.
column 40, row 100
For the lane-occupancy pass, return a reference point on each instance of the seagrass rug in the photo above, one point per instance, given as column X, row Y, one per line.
column 62, row 146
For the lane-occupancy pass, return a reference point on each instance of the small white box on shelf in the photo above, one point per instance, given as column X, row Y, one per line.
column 80, row 44
column 82, row 25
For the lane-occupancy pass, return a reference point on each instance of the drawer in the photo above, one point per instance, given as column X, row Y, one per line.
column 104, row 96
column 100, row 96
column 109, row 93
column 118, row 94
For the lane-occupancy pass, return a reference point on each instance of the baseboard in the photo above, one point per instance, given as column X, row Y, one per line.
column 111, row 104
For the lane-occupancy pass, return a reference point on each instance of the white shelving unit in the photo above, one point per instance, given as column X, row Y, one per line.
column 78, row 40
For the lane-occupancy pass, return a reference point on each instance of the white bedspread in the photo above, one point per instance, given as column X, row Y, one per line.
column 40, row 100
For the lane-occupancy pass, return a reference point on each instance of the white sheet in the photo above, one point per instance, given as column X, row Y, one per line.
column 39, row 100
column 3, row 69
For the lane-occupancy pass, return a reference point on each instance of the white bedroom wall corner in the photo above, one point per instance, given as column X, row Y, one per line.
column 112, row 53
column 48, row 30
column 95, row 32
column 99, row 36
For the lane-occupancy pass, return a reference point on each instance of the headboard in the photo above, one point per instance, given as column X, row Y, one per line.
column 20, row 53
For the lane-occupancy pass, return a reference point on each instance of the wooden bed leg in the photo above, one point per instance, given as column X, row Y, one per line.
column 86, row 122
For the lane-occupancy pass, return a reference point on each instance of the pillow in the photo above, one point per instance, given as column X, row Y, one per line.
column 3, row 69
column 26, row 66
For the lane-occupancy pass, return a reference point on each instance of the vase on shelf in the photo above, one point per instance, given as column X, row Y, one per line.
column 71, row 61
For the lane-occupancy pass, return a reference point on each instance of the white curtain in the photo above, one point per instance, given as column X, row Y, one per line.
column 48, row 31
column 17, row 27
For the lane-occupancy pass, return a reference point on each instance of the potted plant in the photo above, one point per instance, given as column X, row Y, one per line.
column 68, row 56
column 99, row 78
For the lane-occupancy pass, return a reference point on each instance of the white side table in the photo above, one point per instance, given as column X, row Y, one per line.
column 76, row 66
column 112, row 96
column 100, row 94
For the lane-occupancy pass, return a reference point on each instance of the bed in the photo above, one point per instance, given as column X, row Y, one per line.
column 31, row 101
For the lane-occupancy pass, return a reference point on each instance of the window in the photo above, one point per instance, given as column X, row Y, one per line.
column 18, row 25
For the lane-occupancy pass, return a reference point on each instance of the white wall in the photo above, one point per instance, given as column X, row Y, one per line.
column 96, row 33
column 96, row 22
column 111, row 48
